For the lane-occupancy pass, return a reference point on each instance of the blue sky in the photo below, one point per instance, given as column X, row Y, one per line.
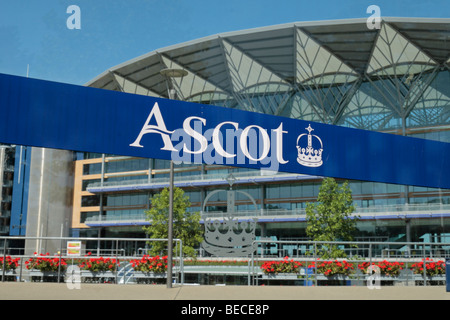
column 35, row 33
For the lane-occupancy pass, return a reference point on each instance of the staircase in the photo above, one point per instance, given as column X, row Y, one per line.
column 125, row 275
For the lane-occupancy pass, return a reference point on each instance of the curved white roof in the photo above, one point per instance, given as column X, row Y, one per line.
column 304, row 56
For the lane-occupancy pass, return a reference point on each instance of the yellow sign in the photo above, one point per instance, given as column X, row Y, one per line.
column 74, row 248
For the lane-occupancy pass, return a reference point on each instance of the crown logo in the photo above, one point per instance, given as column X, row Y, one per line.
column 230, row 238
column 309, row 153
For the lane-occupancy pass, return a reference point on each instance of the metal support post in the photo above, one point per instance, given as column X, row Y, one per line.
column 315, row 263
column 171, row 73
column 4, row 261
column 170, row 230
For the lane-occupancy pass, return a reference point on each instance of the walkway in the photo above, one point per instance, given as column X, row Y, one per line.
column 55, row 291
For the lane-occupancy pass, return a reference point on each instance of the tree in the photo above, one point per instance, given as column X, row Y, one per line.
column 186, row 225
column 330, row 218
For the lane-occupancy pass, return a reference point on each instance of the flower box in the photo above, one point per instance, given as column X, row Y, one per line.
column 10, row 264
column 279, row 268
column 149, row 275
column 144, row 277
column 45, row 276
column 336, row 280
column 46, row 263
column 419, row 277
column 431, row 268
column 10, row 275
column 101, row 274
column 98, row 264
column 331, row 268
column 281, row 276
column 150, row 265
column 97, row 277
column 340, row 277
column 385, row 268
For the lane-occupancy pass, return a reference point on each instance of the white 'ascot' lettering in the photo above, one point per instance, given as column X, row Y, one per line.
column 279, row 143
column 189, row 131
column 194, row 134
column 216, row 140
column 160, row 128
column 265, row 141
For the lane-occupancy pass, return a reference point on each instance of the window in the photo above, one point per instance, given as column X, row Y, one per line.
column 90, row 201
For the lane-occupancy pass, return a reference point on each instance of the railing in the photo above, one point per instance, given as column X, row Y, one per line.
column 114, row 255
column 192, row 178
column 374, row 211
column 117, row 218
column 121, row 252
column 413, row 260
column 399, row 210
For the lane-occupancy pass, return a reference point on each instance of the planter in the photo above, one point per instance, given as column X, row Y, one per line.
column 97, row 277
column 142, row 277
column 337, row 280
column 340, row 277
column 10, row 275
column 8, row 272
column 46, row 276
column 430, row 280
column 149, row 275
column 281, row 276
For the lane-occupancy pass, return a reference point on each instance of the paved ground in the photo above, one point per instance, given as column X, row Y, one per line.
column 55, row 291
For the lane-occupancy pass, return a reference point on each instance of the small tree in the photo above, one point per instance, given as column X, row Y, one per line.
column 186, row 225
column 330, row 218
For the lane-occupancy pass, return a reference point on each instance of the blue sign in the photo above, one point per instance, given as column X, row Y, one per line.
column 62, row 116
column 447, row 275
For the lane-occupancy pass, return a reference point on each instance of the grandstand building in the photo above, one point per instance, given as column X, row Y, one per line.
column 395, row 79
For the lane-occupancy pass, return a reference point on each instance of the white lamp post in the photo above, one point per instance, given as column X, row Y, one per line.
column 170, row 74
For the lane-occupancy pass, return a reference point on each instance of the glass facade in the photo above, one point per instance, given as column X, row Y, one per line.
column 395, row 79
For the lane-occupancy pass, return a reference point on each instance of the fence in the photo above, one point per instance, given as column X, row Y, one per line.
column 99, row 260
column 365, row 263
column 126, row 261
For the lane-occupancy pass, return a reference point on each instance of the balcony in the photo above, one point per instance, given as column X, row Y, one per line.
column 297, row 215
column 194, row 181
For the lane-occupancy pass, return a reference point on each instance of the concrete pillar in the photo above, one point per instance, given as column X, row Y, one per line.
column 50, row 198
column 408, row 234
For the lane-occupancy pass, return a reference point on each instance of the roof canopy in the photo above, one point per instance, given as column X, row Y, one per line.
column 322, row 62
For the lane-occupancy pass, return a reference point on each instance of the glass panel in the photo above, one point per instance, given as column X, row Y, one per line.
column 92, row 168
column 392, row 50
column 433, row 107
column 126, row 165
column 317, row 66
column 90, row 201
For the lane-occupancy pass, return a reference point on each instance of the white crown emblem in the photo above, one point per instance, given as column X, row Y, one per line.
column 232, row 238
column 310, row 154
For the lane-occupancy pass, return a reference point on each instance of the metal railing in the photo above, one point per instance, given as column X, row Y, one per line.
column 191, row 178
column 374, row 211
column 17, row 259
column 310, row 253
